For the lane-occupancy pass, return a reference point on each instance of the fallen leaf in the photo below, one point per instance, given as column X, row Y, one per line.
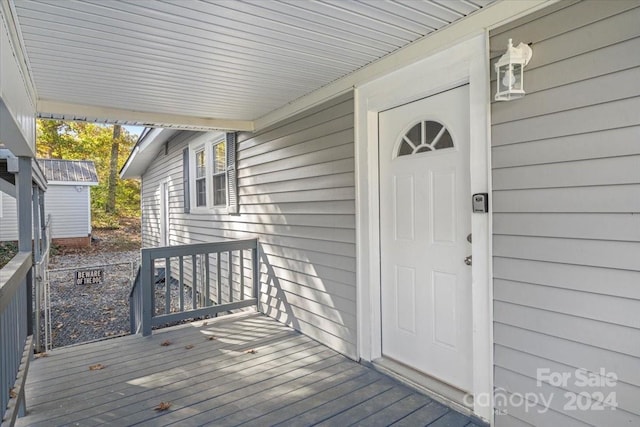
column 40, row 355
column 251, row 351
column 96, row 367
column 189, row 347
column 163, row 406
column 205, row 323
column 12, row 393
column 165, row 343
column 211, row 338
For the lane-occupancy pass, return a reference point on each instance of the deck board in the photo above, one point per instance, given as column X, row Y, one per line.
column 287, row 379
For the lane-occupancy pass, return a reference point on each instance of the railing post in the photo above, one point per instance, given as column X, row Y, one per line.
column 242, row 275
column 255, row 261
column 146, row 279
column 219, row 278
column 230, row 274
column 194, row 281
column 132, row 313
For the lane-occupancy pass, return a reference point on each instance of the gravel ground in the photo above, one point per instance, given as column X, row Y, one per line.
column 82, row 313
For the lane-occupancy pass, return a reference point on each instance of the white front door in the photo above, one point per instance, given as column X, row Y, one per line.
column 425, row 219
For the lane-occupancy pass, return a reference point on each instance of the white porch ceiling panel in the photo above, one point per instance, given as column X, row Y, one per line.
column 217, row 59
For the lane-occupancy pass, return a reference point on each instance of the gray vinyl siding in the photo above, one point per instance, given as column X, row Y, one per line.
column 68, row 207
column 8, row 218
column 566, row 212
column 296, row 194
column 69, row 210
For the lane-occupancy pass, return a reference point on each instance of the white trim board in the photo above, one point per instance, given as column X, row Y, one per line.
column 71, row 111
column 74, row 183
column 464, row 62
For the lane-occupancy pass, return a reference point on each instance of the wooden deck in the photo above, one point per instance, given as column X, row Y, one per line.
column 254, row 371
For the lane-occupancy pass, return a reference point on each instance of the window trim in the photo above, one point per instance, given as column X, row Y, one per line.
column 206, row 142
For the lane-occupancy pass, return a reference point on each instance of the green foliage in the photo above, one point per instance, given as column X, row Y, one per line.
column 7, row 251
column 104, row 221
column 89, row 141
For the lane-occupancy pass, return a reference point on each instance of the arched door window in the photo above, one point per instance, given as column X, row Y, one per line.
column 425, row 136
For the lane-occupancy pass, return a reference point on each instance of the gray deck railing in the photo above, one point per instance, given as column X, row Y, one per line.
column 42, row 248
column 15, row 343
column 199, row 280
column 135, row 305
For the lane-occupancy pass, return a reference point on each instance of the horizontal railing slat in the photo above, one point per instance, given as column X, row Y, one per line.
column 200, row 248
column 204, row 311
column 12, row 275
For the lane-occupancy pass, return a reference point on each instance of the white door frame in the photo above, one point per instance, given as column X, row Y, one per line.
column 165, row 225
column 465, row 62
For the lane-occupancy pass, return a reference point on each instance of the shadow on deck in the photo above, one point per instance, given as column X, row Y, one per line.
column 255, row 371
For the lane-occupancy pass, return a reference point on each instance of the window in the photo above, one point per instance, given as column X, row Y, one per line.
column 424, row 137
column 209, row 173
column 201, row 178
column 219, row 174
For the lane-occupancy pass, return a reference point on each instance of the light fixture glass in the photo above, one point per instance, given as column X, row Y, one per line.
column 510, row 72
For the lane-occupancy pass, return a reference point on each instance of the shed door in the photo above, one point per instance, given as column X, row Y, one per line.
column 425, row 217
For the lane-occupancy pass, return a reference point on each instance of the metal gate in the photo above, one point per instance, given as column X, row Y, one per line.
column 118, row 274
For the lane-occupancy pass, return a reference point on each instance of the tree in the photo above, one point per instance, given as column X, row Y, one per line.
column 89, row 141
column 110, row 206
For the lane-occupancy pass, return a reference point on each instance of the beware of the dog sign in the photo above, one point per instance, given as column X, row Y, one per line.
column 89, row 277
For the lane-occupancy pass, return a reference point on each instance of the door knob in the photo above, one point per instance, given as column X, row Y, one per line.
column 467, row 260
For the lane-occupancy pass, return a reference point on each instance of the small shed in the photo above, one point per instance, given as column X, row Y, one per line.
column 68, row 199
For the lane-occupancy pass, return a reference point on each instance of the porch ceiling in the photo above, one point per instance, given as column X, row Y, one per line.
column 207, row 64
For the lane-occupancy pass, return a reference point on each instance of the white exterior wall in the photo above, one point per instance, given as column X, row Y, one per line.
column 69, row 209
column 566, row 211
column 8, row 218
column 296, row 193
column 18, row 129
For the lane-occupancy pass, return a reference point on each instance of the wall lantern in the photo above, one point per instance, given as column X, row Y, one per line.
column 510, row 72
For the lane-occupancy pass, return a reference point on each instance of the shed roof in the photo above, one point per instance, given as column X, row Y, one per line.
column 79, row 172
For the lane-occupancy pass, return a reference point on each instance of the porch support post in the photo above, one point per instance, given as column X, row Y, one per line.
column 43, row 220
column 37, row 257
column 147, row 291
column 35, row 219
column 23, row 193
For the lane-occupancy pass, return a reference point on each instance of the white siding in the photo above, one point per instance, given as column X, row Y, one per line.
column 8, row 218
column 296, row 193
column 15, row 96
column 69, row 210
column 566, row 199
